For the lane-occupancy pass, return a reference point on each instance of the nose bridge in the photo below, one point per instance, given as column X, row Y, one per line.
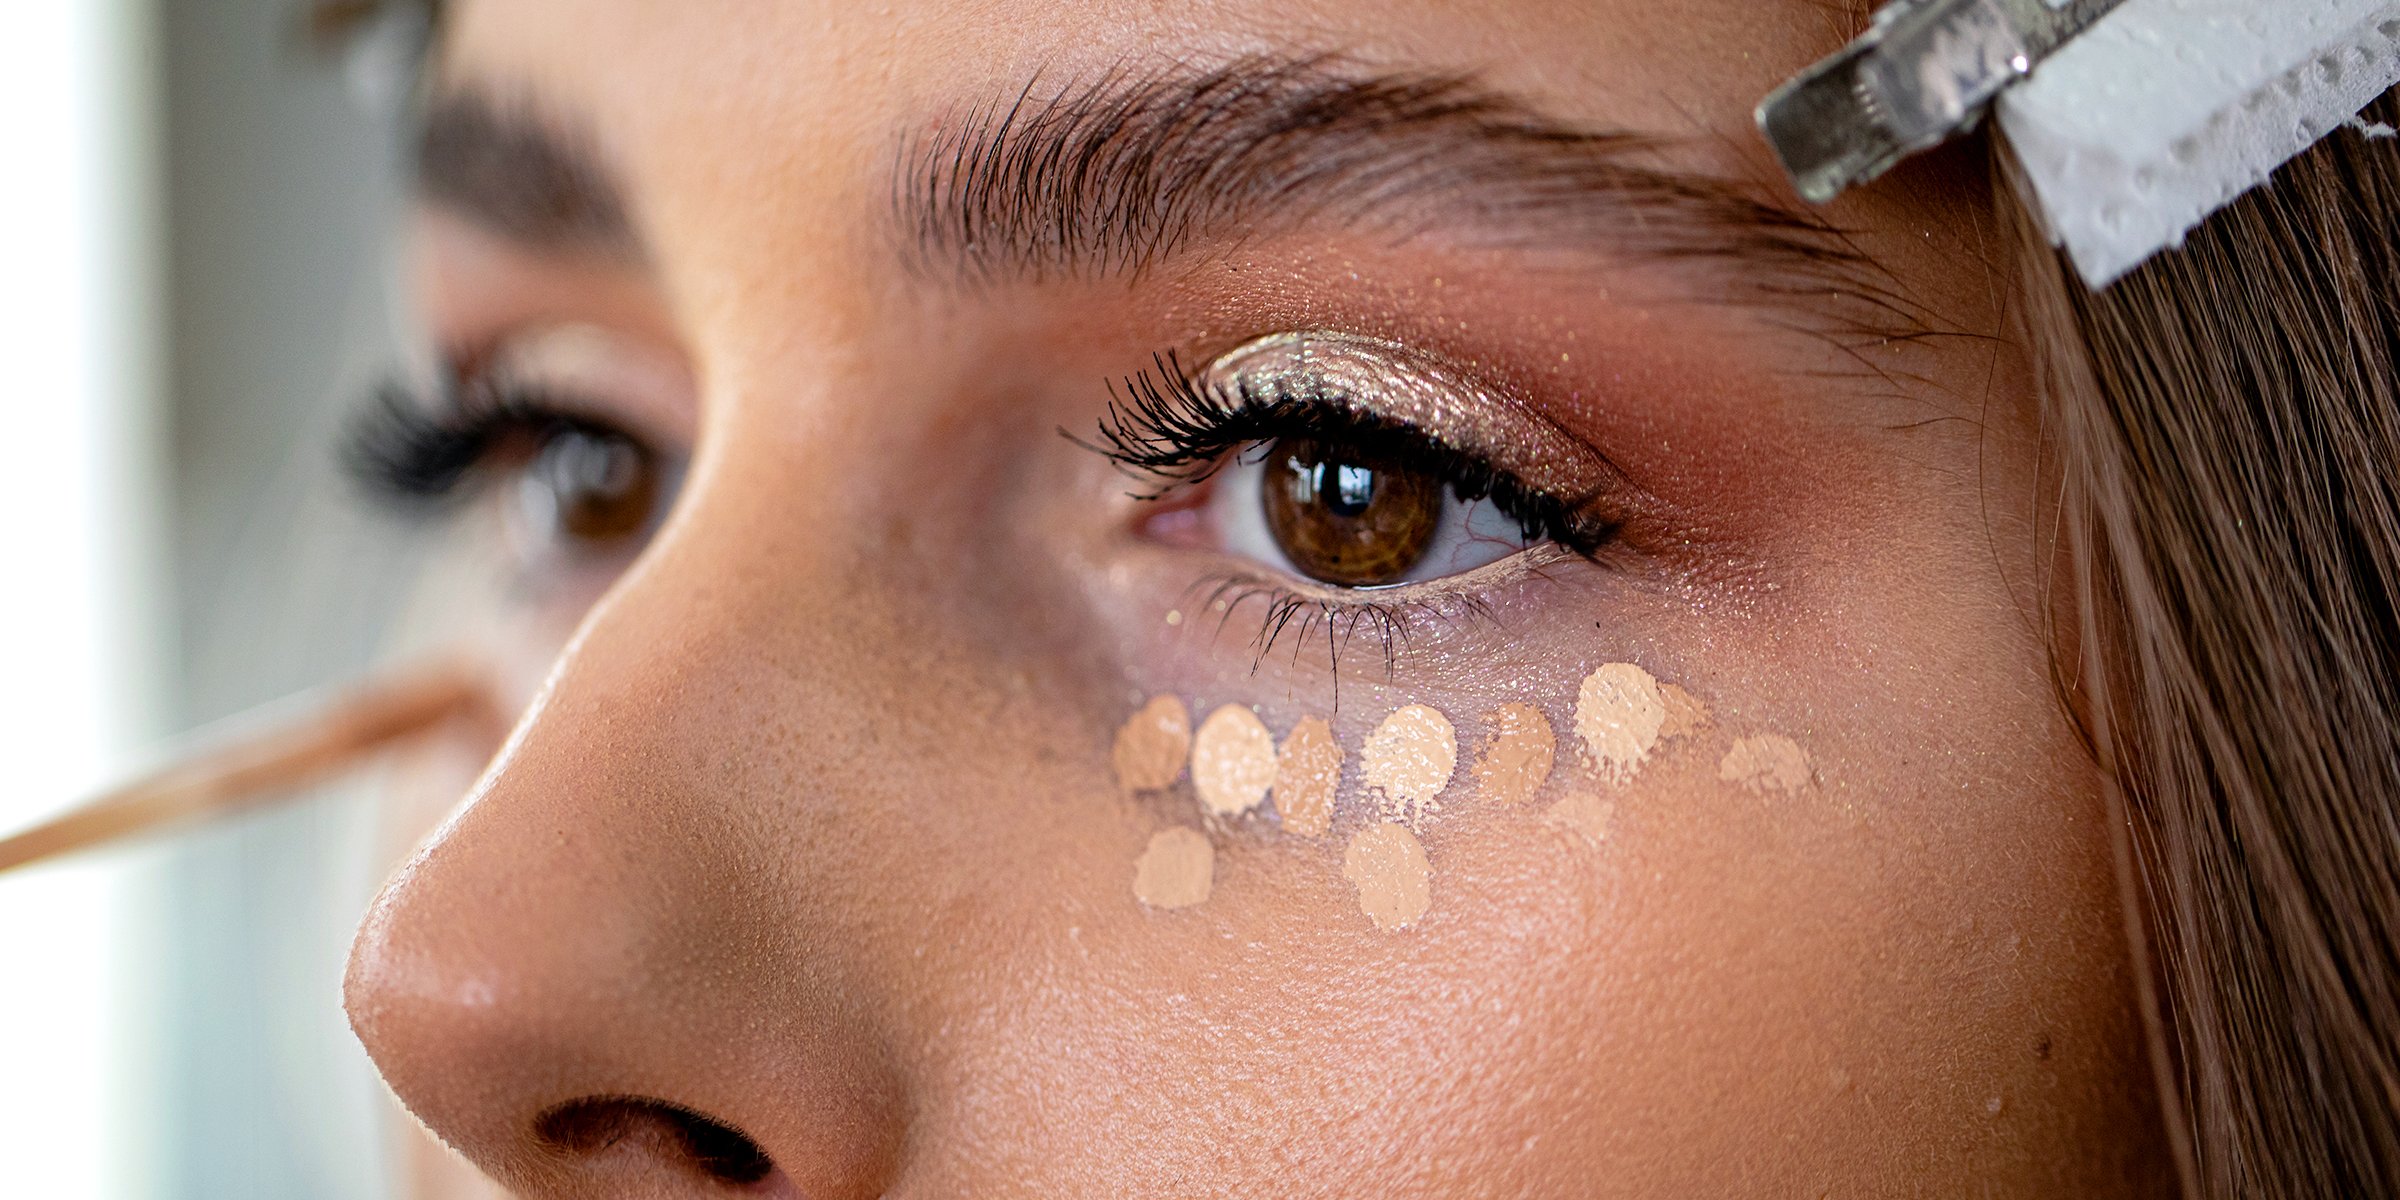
column 615, row 923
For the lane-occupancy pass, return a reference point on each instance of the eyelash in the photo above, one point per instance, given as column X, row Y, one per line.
column 1178, row 428
column 418, row 455
column 1175, row 427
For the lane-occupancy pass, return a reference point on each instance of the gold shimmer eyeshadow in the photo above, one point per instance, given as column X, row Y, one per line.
column 1150, row 747
column 1176, row 870
column 1516, row 761
column 1387, row 864
column 1409, row 759
column 1233, row 761
column 1307, row 772
column 1767, row 762
column 1413, row 388
column 1619, row 712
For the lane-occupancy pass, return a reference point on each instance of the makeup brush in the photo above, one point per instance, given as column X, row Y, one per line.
column 267, row 754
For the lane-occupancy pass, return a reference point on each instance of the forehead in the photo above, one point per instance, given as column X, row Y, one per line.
column 822, row 78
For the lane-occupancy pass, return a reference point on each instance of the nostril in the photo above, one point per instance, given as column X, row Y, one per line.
column 593, row 1126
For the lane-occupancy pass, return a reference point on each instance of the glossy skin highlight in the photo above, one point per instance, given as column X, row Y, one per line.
column 814, row 828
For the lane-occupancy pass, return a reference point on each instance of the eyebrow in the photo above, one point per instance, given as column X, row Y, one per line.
column 1118, row 174
column 522, row 173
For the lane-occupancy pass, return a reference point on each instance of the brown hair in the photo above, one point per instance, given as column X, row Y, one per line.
column 2226, row 423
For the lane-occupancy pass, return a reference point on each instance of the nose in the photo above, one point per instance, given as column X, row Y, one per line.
column 601, row 978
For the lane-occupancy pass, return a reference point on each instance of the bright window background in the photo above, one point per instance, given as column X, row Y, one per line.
column 80, row 615
column 194, row 242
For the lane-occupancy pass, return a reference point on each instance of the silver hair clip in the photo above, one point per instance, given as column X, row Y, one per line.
column 1922, row 73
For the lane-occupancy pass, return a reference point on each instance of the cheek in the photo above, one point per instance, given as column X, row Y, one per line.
column 1856, row 937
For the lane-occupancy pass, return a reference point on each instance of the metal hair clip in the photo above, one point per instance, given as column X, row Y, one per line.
column 1922, row 73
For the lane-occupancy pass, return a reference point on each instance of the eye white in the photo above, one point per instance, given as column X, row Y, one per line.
column 1467, row 534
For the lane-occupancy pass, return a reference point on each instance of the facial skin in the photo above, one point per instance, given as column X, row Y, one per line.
column 811, row 830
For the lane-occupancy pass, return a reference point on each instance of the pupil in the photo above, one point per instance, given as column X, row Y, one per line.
column 591, row 487
column 1347, row 489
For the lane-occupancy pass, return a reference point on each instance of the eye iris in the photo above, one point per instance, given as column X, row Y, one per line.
column 591, row 486
column 1344, row 518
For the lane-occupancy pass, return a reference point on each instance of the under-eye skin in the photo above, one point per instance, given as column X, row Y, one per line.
column 1359, row 482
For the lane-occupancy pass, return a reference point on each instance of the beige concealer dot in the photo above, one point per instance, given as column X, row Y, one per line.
column 1584, row 815
column 1409, row 759
column 1395, row 881
column 1686, row 715
column 1516, row 761
column 1618, row 714
column 1767, row 762
column 1233, row 761
column 1307, row 772
column 1176, row 870
column 1150, row 748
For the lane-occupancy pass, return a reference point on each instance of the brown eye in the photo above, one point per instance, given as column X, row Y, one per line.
column 1346, row 518
column 591, row 488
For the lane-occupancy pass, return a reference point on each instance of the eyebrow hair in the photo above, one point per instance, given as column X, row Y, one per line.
column 523, row 174
column 1137, row 166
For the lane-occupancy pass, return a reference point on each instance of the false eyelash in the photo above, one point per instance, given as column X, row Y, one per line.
column 416, row 454
column 1170, row 425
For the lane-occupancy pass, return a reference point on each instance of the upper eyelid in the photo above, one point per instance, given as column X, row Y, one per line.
column 1393, row 383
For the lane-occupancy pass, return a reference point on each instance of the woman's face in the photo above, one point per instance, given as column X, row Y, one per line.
column 826, row 827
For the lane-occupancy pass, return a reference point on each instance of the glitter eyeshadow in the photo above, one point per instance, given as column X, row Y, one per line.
column 1387, row 864
column 1516, row 761
column 1619, row 712
column 1151, row 746
column 1767, row 762
column 1176, row 870
column 1307, row 772
column 1411, row 387
column 1409, row 759
column 1233, row 761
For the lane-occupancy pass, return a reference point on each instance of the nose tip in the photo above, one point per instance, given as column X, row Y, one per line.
column 558, row 1009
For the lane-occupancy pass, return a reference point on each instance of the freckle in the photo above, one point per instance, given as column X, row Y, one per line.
column 1618, row 714
column 1387, row 864
column 1233, row 761
column 1176, row 870
column 1767, row 762
column 1516, row 761
column 1150, row 748
column 1307, row 772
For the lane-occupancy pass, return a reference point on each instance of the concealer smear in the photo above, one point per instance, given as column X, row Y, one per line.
column 1516, row 761
column 1583, row 814
column 1388, row 866
column 1767, row 762
column 1409, row 759
column 1618, row 714
column 1307, row 772
column 1686, row 715
column 1233, row 761
column 1150, row 748
column 1176, row 870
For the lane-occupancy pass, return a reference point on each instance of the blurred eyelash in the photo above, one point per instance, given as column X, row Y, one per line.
column 416, row 453
column 1170, row 425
